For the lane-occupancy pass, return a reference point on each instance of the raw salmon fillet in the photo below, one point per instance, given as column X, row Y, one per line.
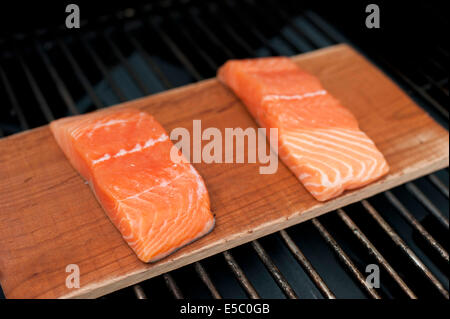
column 157, row 205
column 318, row 138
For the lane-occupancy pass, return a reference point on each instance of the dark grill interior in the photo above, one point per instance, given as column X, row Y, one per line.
column 144, row 49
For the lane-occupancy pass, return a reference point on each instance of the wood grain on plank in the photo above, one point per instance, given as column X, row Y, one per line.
column 49, row 217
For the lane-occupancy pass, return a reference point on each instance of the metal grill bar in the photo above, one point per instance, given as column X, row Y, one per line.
column 127, row 65
column 433, row 83
column 415, row 223
column 80, row 75
column 283, row 16
column 344, row 258
column 422, row 92
column 239, row 273
column 401, row 244
column 62, row 89
column 36, row 91
column 257, row 34
column 326, row 30
column 139, row 292
column 261, row 15
column 12, row 97
column 173, row 287
column 230, row 31
column 437, row 64
column 149, row 61
column 207, row 59
column 423, row 199
column 373, row 251
column 211, row 36
column 307, row 266
column 440, row 84
column 274, row 271
column 174, row 49
column 207, row 280
column 98, row 62
column 439, row 185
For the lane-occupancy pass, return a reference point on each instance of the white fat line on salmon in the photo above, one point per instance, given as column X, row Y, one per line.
column 372, row 159
column 324, row 177
column 333, row 148
column 272, row 97
column 336, row 147
column 168, row 228
column 201, row 189
column 303, row 176
column 137, row 148
column 105, row 124
column 101, row 159
column 163, row 183
column 330, row 163
column 238, row 144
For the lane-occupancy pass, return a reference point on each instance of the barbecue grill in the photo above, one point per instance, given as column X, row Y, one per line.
column 144, row 48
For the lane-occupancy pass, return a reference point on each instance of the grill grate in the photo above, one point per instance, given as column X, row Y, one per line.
column 155, row 47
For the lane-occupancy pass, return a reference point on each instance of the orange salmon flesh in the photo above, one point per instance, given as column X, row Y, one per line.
column 157, row 205
column 318, row 139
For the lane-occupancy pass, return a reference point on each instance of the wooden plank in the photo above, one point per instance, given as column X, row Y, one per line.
column 49, row 218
